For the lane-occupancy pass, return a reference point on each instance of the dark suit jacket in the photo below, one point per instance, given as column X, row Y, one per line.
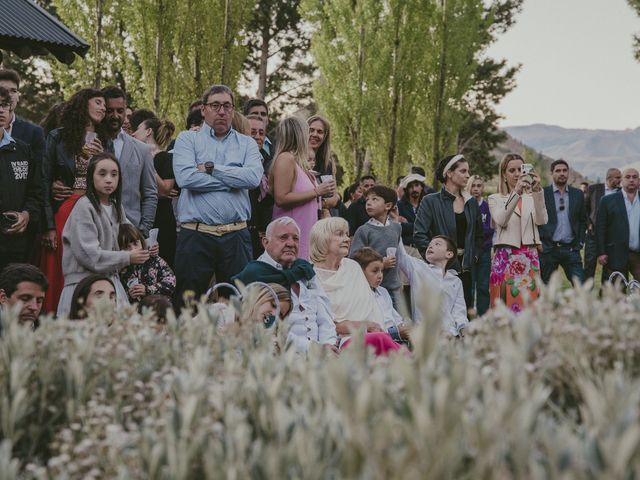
column 577, row 217
column 32, row 135
column 594, row 193
column 612, row 231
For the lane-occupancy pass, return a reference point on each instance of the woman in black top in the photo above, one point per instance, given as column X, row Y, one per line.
column 149, row 129
column 454, row 213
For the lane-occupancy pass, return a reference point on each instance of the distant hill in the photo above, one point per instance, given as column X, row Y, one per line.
column 591, row 152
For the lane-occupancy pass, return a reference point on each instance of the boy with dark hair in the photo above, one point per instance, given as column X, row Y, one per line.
column 20, row 190
column 383, row 235
column 372, row 266
column 21, row 282
column 440, row 254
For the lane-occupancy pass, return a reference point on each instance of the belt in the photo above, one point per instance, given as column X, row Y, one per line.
column 562, row 244
column 217, row 230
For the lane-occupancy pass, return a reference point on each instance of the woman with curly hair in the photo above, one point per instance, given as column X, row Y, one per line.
column 64, row 168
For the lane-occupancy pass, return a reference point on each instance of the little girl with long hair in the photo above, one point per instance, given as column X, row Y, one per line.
column 90, row 236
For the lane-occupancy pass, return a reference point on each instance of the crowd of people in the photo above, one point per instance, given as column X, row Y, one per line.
column 100, row 201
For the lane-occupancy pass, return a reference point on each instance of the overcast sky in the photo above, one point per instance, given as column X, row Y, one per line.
column 578, row 69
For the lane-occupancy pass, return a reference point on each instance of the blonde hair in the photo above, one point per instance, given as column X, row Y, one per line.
column 292, row 135
column 503, row 186
column 265, row 296
column 320, row 236
column 240, row 124
column 472, row 179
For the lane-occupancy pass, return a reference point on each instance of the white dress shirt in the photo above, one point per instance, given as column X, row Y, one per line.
column 449, row 286
column 310, row 319
column 391, row 317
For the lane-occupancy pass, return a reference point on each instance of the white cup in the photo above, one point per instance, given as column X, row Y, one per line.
column 391, row 252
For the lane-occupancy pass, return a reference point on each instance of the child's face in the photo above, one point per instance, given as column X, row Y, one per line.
column 376, row 206
column 137, row 245
column 437, row 251
column 477, row 188
column 106, row 177
column 374, row 273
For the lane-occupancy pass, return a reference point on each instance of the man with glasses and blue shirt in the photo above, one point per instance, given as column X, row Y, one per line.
column 563, row 235
column 215, row 168
column 20, row 190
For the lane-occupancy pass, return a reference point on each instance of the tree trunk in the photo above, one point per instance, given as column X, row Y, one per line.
column 264, row 60
column 98, row 44
column 440, row 96
column 158, row 84
column 395, row 101
column 224, row 67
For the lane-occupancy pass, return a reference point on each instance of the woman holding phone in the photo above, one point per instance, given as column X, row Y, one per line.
column 516, row 212
column 323, row 164
column 66, row 157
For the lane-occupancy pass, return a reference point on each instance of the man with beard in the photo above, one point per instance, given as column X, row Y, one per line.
column 592, row 202
column 563, row 235
column 414, row 189
column 25, row 284
column 139, row 187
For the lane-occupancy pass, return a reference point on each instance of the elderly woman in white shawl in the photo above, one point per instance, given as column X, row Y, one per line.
column 352, row 300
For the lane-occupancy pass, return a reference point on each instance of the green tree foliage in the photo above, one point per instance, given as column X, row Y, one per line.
column 164, row 53
column 278, row 44
column 397, row 77
column 38, row 90
column 99, row 23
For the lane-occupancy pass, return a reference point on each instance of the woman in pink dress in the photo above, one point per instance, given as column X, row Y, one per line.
column 295, row 190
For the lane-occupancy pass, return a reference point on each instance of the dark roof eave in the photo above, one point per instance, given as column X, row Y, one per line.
column 26, row 48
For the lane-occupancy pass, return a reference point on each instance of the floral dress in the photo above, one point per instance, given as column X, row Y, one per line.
column 514, row 275
column 155, row 274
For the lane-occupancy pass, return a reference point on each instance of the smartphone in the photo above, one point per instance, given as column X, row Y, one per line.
column 526, row 170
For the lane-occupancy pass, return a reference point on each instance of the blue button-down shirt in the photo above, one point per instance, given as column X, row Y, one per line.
column 633, row 214
column 222, row 197
column 563, row 232
column 6, row 139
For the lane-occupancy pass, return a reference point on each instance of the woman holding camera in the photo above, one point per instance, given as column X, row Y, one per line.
column 516, row 211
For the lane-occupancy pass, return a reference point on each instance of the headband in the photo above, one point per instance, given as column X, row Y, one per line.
column 451, row 163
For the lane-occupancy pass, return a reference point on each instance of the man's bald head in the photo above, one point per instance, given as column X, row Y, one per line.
column 613, row 178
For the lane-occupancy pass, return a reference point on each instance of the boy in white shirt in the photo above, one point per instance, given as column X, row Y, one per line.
column 372, row 265
column 440, row 252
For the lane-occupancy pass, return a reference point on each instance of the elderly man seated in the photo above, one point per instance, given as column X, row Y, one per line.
column 25, row 284
column 310, row 319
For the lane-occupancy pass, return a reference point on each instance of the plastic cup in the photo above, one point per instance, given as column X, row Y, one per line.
column 391, row 252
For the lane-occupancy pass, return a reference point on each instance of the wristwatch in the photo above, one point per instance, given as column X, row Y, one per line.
column 208, row 166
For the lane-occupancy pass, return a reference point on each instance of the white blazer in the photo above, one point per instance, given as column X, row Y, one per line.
column 514, row 226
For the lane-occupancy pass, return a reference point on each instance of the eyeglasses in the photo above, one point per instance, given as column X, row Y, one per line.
column 5, row 106
column 215, row 106
column 561, row 208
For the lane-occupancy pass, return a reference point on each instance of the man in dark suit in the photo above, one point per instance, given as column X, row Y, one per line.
column 618, row 228
column 594, row 195
column 563, row 235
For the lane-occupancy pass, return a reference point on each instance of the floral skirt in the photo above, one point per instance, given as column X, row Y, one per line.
column 515, row 273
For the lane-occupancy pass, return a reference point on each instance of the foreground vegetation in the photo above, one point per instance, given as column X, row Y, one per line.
column 552, row 394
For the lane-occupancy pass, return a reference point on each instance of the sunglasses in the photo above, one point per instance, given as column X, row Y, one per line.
column 561, row 208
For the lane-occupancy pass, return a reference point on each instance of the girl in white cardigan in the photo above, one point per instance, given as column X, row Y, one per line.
column 90, row 236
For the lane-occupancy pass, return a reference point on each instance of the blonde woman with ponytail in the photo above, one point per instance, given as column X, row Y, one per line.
column 295, row 190
column 157, row 134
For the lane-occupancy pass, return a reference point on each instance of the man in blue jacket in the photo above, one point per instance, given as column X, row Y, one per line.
column 563, row 235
